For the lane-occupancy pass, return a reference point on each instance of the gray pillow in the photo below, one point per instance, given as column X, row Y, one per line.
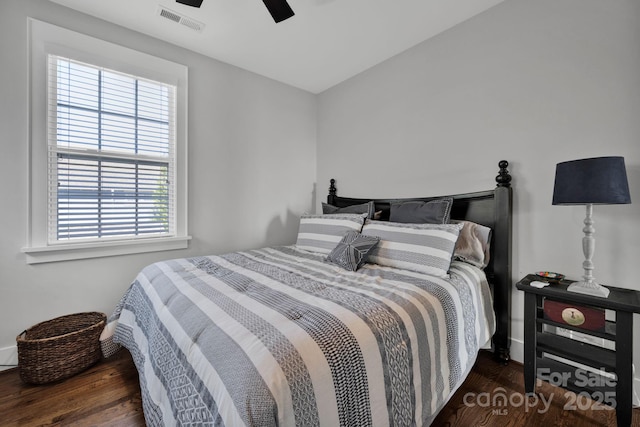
column 352, row 250
column 431, row 212
column 368, row 208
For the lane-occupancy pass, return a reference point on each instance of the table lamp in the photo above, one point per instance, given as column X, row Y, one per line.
column 594, row 181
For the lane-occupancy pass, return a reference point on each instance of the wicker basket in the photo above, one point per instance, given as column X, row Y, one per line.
column 59, row 348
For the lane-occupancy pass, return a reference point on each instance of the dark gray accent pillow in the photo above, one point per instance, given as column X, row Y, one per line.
column 352, row 250
column 368, row 208
column 431, row 212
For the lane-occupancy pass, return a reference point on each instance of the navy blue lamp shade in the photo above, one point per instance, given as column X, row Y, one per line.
column 599, row 180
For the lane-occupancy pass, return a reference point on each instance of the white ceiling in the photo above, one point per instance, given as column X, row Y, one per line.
column 326, row 42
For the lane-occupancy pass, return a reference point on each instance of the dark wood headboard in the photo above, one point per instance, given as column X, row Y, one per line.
column 492, row 208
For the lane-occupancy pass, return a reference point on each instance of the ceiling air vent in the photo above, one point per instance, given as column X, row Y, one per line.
column 180, row 19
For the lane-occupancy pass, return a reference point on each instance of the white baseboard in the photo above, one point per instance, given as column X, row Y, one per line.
column 8, row 357
column 517, row 354
column 516, row 350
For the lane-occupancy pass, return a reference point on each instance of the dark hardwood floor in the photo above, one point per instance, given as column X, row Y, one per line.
column 108, row 394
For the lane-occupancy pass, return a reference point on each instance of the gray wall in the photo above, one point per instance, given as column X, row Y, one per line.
column 248, row 136
column 533, row 82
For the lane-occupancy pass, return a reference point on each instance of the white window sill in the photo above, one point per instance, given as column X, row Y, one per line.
column 73, row 251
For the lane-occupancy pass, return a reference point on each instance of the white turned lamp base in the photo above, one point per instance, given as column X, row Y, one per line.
column 588, row 285
column 587, row 288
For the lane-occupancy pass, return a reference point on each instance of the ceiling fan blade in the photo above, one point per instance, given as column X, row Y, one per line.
column 194, row 3
column 279, row 9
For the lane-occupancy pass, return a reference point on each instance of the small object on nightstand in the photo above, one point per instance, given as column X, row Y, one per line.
column 550, row 275
column 536, row 284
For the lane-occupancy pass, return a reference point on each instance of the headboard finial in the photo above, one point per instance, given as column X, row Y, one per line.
column 332, row 187
column 504, row 178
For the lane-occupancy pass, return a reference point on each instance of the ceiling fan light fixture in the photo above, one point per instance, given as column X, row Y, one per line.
column 192, row 3
column 279, row 9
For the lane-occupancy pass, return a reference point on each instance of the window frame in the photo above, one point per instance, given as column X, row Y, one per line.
column 47, row 39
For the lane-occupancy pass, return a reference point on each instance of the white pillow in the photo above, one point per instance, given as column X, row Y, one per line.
column 425, row 248
column 321, row 233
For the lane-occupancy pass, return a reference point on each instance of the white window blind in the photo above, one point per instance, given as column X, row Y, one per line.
column 111, row 154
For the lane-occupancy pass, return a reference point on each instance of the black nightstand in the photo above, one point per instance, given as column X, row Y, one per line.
column 540, row 341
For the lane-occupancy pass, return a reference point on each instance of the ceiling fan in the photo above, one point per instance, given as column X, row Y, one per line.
column 279, row 9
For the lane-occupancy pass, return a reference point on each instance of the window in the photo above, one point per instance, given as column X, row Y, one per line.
column 108, row 149
column 111, row 169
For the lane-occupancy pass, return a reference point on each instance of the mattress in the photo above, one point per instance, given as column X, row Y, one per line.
column 279, row 336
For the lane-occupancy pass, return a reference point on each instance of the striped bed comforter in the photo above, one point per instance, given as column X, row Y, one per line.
column 278, row 336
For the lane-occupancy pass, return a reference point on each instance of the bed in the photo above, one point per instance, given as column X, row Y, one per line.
column 319, row 333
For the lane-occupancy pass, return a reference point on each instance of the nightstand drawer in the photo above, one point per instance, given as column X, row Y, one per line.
column 589, row 318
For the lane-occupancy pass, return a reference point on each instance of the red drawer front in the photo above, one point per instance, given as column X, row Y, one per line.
column 574, row 315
